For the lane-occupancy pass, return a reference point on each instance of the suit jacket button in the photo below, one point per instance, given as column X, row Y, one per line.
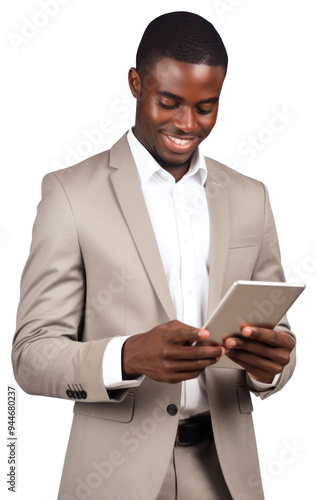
column 171, row 410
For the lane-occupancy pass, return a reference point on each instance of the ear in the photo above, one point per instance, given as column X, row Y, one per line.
column 134, row 82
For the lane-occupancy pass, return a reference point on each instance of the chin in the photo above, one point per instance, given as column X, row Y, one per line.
column 172, row 164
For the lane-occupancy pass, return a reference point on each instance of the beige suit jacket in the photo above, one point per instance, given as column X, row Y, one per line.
column 95, row 272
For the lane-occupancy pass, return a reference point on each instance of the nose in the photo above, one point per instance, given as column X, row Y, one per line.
column 185, row 119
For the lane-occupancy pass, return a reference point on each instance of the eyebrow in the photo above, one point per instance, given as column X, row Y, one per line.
column 165, row 93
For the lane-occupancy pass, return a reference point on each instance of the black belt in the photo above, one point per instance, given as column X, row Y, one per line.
column 194, row 430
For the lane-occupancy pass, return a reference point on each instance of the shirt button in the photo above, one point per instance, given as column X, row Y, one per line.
column 171, row 410
column 190, row 293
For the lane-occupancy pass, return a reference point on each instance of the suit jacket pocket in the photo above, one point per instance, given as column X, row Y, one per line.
column 244, row 241
column 244, row 399
column 118, row 412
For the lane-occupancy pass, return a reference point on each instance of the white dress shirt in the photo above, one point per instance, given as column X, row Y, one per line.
column 180, row 220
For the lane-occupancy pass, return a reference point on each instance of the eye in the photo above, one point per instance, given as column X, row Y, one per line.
column 167, row 104
column 205, row 111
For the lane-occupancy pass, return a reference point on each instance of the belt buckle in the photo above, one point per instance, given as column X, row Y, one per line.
column 194, row 432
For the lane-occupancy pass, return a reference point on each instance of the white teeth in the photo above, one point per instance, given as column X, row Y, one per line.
column 179, row 142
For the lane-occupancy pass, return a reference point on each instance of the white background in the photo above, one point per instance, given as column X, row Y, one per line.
column 60, row 81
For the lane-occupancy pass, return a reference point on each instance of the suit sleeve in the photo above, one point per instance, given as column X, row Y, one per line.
column 268, row 267
column 48, row 355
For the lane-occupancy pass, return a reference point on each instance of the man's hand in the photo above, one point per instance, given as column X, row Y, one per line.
column 262, row 352
column 167, row 353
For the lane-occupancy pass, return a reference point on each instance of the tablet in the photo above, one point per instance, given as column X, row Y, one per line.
column 253, row 303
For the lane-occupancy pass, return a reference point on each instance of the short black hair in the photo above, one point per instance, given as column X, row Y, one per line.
column 183, row 36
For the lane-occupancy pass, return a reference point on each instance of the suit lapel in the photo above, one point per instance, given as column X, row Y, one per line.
column 129, row 193
column 218, row 203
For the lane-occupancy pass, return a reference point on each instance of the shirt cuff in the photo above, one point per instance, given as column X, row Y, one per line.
column 112, row 367
column 262, row 386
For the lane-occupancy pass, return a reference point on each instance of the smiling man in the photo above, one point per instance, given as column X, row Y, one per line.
column 131, row 250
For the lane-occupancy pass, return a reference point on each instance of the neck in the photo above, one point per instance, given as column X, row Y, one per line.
column 177, row 172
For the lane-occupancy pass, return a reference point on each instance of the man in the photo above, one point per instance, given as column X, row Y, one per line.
column 131, row 250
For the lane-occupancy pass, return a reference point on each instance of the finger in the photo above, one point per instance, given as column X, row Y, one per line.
column 176, row 377
column 256, row 362
column 208, row 343
column 276, row 354
column 188, row 372
column 181, row 366
column 256, row 373
column 196, row 352
column 186, row 334
column 272, row 337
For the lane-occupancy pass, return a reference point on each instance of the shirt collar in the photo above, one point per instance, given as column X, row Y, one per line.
column 147, row 166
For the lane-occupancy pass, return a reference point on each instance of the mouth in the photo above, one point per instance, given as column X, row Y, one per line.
column 178, row 145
